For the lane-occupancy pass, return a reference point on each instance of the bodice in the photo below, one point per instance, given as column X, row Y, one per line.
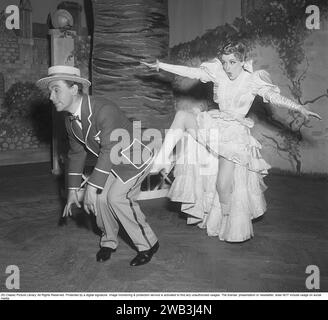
column 234, row 96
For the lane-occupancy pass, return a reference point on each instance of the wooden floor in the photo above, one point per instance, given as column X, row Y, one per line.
column 52, row 257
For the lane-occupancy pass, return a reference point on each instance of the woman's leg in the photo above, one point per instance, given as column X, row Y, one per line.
column 183, row 121
column 224, row 183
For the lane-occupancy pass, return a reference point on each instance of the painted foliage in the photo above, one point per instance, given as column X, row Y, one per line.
column 279, row 39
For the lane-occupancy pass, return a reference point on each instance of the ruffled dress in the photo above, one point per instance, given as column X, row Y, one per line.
column 225, row 133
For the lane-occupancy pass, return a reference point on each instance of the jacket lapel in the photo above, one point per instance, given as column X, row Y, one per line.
column 86, row 112
column 86, row 118
column 76, row 129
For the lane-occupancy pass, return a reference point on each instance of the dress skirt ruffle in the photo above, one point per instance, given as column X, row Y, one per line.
column 196, row 169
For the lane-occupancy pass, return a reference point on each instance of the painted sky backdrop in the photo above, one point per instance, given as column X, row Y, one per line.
column 191, row 18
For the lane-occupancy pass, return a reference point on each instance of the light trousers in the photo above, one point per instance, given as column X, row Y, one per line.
column 117, row 203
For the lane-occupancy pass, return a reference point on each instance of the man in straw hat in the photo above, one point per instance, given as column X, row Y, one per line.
column 93, row 125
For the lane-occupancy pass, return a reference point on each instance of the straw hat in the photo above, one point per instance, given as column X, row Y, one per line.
column 63, row 73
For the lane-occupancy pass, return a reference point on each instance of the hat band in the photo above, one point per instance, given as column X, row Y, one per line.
column 64, row 75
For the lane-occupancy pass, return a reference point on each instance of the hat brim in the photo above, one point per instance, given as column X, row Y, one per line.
column 44, row 82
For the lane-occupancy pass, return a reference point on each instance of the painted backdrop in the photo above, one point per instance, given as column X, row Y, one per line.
column 296, row 59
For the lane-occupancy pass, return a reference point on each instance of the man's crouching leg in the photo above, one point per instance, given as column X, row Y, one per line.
column 107, row 223
column 122, row 198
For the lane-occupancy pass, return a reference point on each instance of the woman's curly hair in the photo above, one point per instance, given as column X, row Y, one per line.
column 239, row 50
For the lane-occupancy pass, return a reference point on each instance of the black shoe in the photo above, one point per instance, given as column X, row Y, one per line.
column 144, row 257
column 104, row 254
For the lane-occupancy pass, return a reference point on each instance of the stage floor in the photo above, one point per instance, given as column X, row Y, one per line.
column 59, row 257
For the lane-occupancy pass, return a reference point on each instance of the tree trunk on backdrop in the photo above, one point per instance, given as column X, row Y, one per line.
column 126, row 32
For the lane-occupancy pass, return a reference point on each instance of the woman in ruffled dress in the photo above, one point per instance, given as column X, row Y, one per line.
column 226, row 205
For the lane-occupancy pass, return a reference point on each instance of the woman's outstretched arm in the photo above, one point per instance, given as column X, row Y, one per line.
column 271, row 93
column 189, row 72
column 280, row 101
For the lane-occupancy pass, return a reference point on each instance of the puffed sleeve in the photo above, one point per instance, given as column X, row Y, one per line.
column 263, row 86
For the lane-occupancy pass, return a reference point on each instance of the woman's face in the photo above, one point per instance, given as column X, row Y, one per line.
column 232, row 65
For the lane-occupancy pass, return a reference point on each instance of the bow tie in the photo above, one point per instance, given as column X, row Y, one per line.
column 72, row 118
